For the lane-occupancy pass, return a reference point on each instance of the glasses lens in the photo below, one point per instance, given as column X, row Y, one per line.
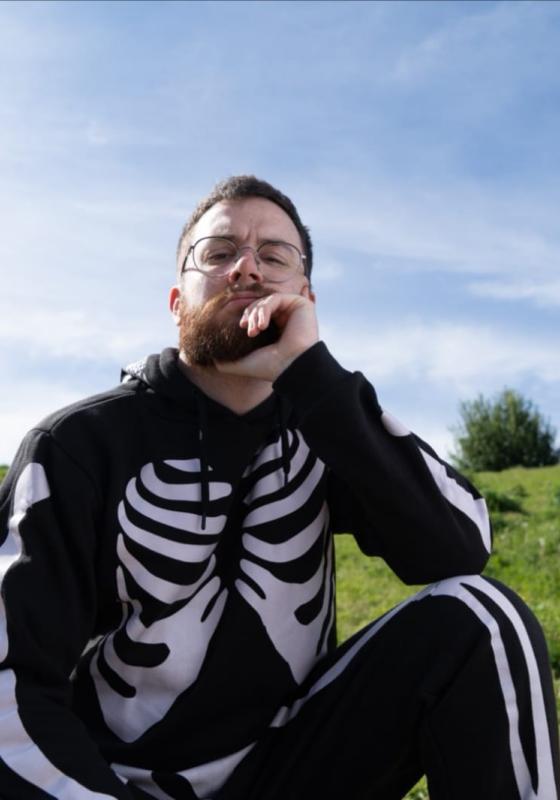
column 278, row 260
column 214, row 254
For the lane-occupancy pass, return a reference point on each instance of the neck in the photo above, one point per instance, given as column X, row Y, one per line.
column 238, row 393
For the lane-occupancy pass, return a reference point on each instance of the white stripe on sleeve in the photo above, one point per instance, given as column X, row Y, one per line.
column 474, row 508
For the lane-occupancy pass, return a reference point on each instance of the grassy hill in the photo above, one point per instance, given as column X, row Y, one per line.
column 525, row 509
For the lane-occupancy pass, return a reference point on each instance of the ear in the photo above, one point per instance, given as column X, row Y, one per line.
column 308, row 292
column 175, row 304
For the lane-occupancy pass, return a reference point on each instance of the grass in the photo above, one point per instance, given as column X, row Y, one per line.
column 525, row 510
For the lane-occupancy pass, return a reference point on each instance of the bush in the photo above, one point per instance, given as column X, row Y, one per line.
column 500, row 502
column 508, row 431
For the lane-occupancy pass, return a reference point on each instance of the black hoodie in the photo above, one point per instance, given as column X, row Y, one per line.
column 168, row 571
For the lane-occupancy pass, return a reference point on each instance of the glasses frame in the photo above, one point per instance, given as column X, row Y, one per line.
column 255, row 251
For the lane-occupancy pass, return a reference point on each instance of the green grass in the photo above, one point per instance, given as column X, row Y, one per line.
column 525, row 510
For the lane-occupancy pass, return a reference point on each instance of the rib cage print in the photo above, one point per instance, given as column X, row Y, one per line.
column 171, row 596
column 286, row 571
column 172, row 588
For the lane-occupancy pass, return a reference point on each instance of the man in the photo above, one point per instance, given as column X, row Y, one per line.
column 167, row 625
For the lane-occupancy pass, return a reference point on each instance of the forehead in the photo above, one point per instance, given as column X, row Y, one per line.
column 254, row 218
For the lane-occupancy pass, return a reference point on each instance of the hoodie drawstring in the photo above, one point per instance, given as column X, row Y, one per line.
column 203, row 455
column 284, row 443
column 202, row 435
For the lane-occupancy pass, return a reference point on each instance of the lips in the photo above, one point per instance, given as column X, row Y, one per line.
column 242, row 298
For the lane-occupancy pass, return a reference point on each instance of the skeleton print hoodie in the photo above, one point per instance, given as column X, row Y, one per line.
column 167, row 569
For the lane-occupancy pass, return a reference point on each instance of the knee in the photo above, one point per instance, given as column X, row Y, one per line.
column 498, row 607
column 479, row 592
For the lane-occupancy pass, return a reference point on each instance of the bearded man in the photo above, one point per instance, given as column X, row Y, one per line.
column 167, row 627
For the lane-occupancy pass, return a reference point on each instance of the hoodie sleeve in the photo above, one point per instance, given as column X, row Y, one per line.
column 47, row 612
column 387, row 486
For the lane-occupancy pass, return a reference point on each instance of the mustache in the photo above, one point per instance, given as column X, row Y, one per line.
column 252, row 288
column 221, row 299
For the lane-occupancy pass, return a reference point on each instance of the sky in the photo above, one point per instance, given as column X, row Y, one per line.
column 419, row 141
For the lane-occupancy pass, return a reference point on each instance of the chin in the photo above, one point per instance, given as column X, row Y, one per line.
column 205, row 339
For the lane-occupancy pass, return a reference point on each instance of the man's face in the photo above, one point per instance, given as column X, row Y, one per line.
column 207, row 310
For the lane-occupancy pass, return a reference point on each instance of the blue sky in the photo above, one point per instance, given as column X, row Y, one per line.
column 419, row 141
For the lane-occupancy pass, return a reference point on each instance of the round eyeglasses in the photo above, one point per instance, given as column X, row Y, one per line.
column 215, row 256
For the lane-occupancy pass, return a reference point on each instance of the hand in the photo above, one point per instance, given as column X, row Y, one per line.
column 294, row 315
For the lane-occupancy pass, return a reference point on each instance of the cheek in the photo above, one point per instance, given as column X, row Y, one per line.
column 197, row 290
column 298, row 286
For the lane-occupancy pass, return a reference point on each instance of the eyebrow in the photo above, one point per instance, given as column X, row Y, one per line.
column 227, row 234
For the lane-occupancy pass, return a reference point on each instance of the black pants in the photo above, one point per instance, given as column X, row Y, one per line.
column 453, row 682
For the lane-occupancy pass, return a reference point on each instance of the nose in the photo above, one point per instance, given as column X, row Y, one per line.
column 246, row 267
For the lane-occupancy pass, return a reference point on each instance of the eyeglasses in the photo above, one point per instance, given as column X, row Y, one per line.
column 215, row 256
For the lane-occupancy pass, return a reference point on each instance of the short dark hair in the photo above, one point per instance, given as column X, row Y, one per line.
column 239, row 187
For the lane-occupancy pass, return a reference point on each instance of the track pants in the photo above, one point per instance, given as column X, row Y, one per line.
column 454, row 682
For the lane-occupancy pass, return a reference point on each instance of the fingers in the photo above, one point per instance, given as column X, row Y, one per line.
column 257, row 316
column 295, row 317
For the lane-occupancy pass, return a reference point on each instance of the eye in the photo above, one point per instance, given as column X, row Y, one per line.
column 215, row 253
column 275, row 255
column 270, row 258
column 217, row 256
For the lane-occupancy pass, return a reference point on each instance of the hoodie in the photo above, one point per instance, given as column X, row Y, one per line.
column 167, row 569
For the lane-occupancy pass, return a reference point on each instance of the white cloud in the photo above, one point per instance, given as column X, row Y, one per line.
column 421, row 372
column 544, row 294
column 96, row 135
column 326, row 269
column 464, row 359
column 483, row 45
column 453, row 227
column 66, row 334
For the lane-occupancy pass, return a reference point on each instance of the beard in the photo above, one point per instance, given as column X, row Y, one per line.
column 204, row 338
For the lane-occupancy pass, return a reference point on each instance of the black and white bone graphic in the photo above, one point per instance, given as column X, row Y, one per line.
column 284, row 573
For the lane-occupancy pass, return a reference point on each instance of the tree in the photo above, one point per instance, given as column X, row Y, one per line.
column 507, row 431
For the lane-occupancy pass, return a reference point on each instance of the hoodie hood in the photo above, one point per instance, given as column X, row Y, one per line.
column 161, row 373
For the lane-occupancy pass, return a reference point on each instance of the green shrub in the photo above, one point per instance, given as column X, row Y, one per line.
column 501, row 501
column 505, row 432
